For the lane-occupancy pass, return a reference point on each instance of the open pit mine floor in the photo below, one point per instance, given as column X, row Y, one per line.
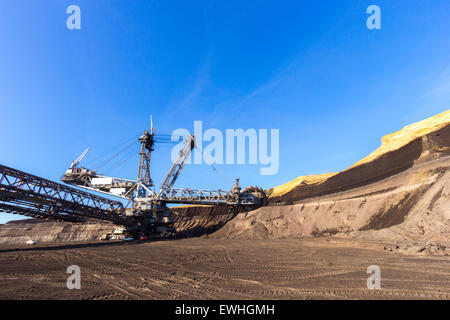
column 202, row 268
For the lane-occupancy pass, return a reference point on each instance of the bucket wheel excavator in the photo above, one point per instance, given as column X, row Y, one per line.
column 149, row 214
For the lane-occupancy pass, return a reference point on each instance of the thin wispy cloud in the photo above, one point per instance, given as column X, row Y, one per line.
column 281, row 74
column 202, row 80
column 441, row 87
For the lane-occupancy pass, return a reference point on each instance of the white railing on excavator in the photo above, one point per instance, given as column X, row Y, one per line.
column 185, row 195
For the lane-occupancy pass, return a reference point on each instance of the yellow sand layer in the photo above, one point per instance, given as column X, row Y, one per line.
column 390, row 142
column 398, row 139
column 302, row 180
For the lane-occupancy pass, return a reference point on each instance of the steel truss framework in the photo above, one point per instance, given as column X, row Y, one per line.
column 29, row 195
column 195, row 196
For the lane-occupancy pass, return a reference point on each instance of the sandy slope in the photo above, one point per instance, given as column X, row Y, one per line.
column 412, row 205
column 199, row 220
column 428, row 138
column 400, row 192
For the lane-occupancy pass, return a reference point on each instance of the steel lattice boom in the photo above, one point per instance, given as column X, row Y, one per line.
column 29, row 195
column 25, row 194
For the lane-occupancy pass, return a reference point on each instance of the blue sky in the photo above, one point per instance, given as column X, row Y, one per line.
column 311, row 69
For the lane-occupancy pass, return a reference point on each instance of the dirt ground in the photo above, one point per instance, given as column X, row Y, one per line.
column 201, row 268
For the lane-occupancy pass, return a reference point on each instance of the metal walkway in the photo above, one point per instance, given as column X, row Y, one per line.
column 204, row 197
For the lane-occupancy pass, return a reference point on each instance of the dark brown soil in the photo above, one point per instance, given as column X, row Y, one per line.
column 220, row 269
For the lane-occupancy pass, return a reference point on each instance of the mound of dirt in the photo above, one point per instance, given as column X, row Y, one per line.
column 412, row 205
column 400, row 192
column 417, row 143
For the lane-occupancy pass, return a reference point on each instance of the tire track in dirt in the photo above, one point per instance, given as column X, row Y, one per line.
column 217, row 269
